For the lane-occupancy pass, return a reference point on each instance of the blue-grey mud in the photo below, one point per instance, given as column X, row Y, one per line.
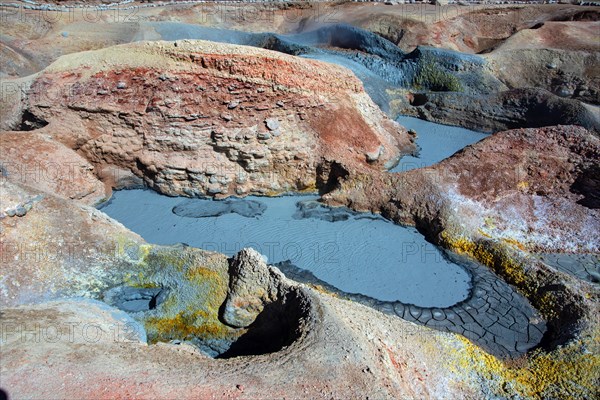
column 360, row 256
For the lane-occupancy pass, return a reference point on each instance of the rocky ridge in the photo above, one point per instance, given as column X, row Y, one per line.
column 192, row 118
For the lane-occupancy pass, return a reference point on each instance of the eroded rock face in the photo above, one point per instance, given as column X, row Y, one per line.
column 561, row 57
column 519, row 185
column 37, row 161
column 195, row 118
column 58, row 247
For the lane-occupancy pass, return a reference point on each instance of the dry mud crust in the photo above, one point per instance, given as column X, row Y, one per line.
column 334, row 359
column 495, row 317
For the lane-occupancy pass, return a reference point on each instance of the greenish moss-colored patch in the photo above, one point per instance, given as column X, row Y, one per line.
column 430, row 75
column 492, row 257
column 197, row 283
column 187, row 325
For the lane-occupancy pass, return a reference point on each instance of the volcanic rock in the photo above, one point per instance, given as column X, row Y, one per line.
column 516, row 108
column 36, row 160
column 524, row 185
column 146, row 127
column 250, row 289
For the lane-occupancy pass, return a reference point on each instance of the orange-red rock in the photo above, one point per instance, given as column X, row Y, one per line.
column 190, row 117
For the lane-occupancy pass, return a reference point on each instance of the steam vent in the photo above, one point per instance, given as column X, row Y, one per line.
column 265, row 200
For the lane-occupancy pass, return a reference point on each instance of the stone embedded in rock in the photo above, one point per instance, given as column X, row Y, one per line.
column 250, row 289
column 375, row 155
column 272, row 124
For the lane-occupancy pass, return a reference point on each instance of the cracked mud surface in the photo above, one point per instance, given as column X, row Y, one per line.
column 582, row 266
column 495, row 316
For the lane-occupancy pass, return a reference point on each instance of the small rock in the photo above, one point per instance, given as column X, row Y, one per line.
column 239, row 387
column 163, row 77
column 551, row 65
column 564, row 91
column 264, row 136
column 374, row 155
column 280, row 103
column 11, row 212
column 272, row 124
column 121, row 85
column 214, row 190
column 226, row 117
column 216, row 135
column 233, row 104
column 102, row 92
column 20, row 211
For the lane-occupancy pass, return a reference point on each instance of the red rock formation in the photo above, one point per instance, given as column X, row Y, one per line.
column 535, row 187
column 35, row 160
column 194, row 118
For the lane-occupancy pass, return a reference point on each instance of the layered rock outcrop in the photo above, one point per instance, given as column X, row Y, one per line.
column 194, row 118
column 536, row 187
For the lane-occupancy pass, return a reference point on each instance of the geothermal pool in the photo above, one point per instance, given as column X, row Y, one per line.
column 354, row 252
column 436, row 142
